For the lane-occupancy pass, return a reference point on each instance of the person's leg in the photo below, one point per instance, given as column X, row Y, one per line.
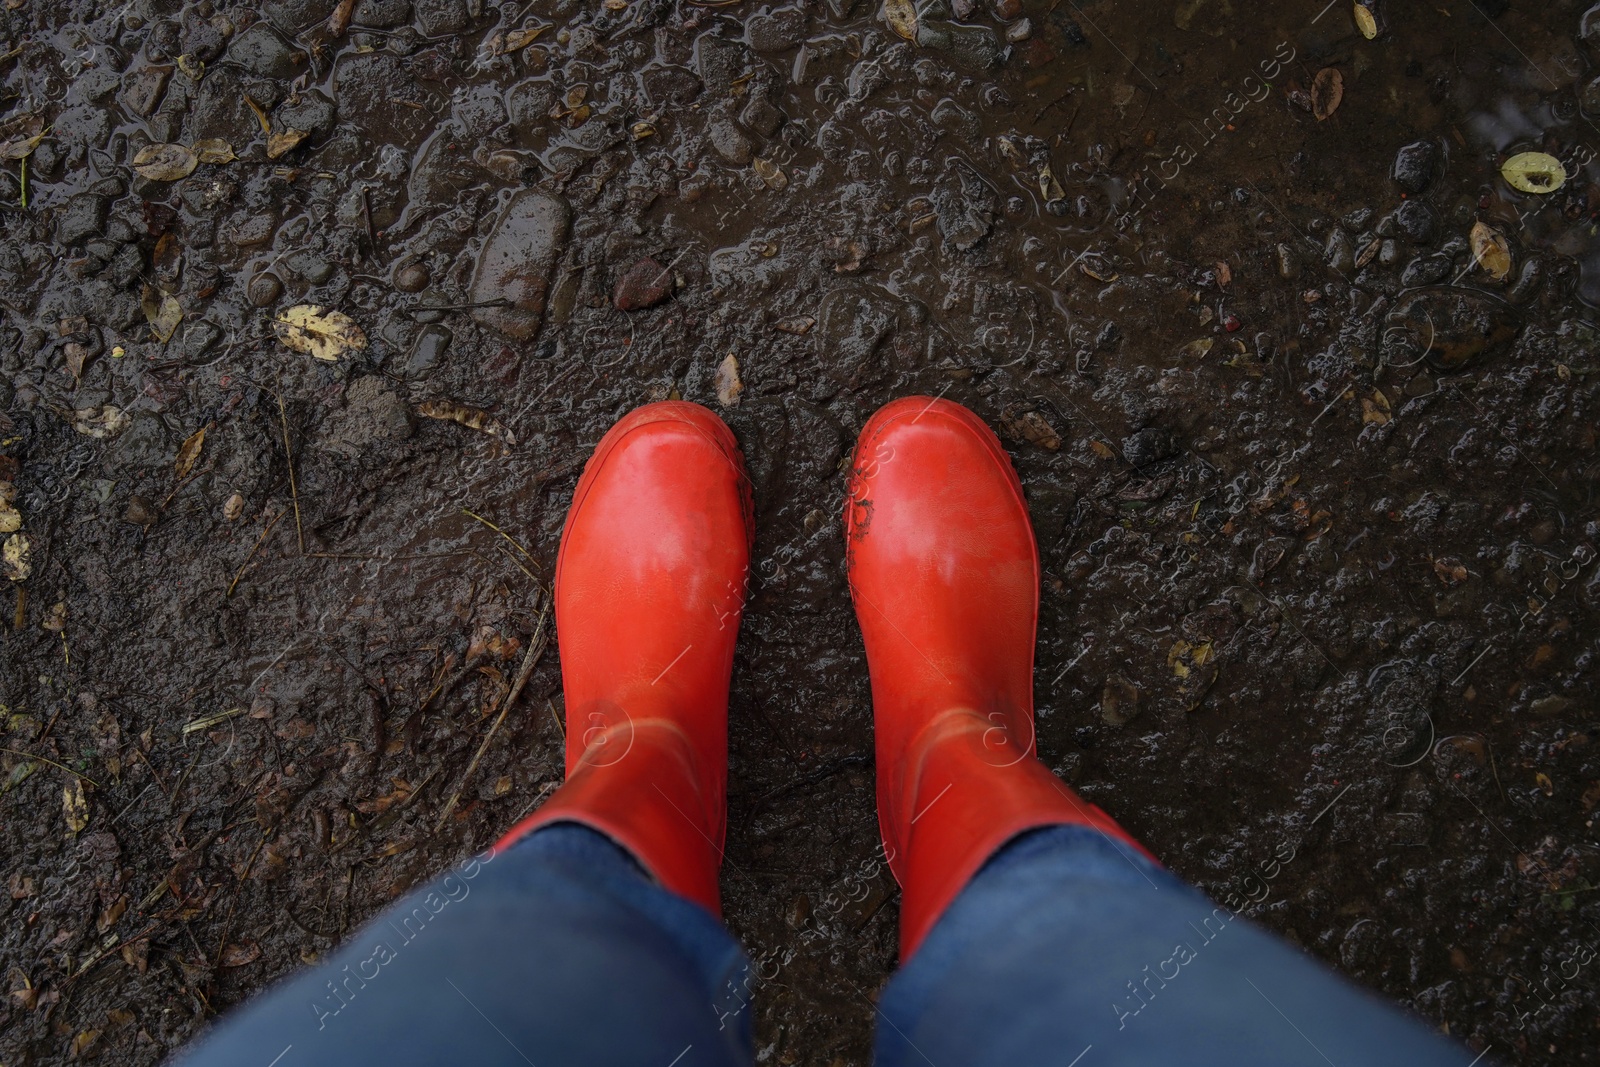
column 556, row 949
column 594, row 939
column 1044, row 956
column 1068, row 944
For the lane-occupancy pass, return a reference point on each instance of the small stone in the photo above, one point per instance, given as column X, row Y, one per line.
column 776, row 31
column 1426, row 270
column 437, row 18
column 233, row 507
column 1413, row 166
column 381, row 14
column 310, row 266
column 1148, row 446
column 139, row 512
column 197, row 339
column 760, row 116
column 427, row 350
column 728, row 140
column 1006, row 10
column 1417, row 221
column 643, row 285
column 83, row 216
column 516, row 261
column 263, row 51
column 264, row 289
column 1019, row 31
column 411, row 278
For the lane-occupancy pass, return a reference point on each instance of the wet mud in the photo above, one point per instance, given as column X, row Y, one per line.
column 1311, row 459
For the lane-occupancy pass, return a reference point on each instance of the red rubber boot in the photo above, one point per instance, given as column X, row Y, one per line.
column 649, row 590
column 944, row 574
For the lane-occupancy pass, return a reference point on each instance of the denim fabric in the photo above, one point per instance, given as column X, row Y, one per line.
column 558, row 950
column 1069, row 948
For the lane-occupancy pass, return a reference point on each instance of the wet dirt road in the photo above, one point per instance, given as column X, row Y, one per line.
column 1302, row 389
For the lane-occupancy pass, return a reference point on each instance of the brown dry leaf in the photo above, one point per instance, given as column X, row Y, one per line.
column 318, row 332
column 214, row 150
column 162, row 311
column 1375, row 409
column 727, row 379
column 1049, row 188
column 240, row 954
column 339, row 21
column 799, row 325
column 189, row 452
column 517, row 40
column 84, row 1046
column 1197, row 349
column 10, row 517
column 1327, row 89
column 901, row 15
column 470, row 417
column 165, row 162
column 282, row 142
column 261, row 116
column 1449, row 570
column 1492, row 251
column 1032, row 427
column 1103, row 450
column 1534, row 172
column 1224, row 274
column 75, row 804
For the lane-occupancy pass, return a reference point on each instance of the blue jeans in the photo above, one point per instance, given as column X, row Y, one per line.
column 1066, row 949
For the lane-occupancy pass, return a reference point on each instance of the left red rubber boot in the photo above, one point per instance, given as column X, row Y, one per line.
column 944, row 573
column 649, row 590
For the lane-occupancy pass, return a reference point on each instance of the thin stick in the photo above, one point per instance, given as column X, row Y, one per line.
column 535, row 650
column 288, row 458
column 53, row 763
column 259, row 541
column 502, row 533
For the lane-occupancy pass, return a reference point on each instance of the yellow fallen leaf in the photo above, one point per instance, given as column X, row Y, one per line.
column 101, row 422
column 74, row 805
column 163, row 312
column 770, row 173
column 214, row 150
column 517, row 40
column 318, row 332
column 1365, row 22
column 14, row 558
column 261, row 116
column 1534, row 172
column 165, row 162
column 20, row 147
column 1491, row 250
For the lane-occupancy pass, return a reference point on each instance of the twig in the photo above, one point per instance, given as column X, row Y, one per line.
column 535, row 650
column 288, row 458
column 502, row 533
column 259, row 541
column 53, row 763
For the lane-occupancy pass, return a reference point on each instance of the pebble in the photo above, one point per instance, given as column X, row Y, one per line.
column 263, row 51
column 83, row 216
column 1413, row 166
column 643, row 285
column 264, row 289
column 1149, row 445
column 1455, row 326
column 728, row 140
column 1019, row 31
column 1426, row 270
column 413, row 277
column 1417, row 221
column 427, row 350
column 516, row 261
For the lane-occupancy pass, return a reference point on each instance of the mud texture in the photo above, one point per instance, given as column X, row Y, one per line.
column 1314, row 488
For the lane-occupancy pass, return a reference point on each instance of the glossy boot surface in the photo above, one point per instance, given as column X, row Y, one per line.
column 944, row 573
column 649, row 590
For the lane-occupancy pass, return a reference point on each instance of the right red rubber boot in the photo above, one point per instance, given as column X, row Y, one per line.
column 944, row 574
column 649, row 590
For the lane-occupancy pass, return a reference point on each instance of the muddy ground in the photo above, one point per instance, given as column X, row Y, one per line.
column 1313, row 483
